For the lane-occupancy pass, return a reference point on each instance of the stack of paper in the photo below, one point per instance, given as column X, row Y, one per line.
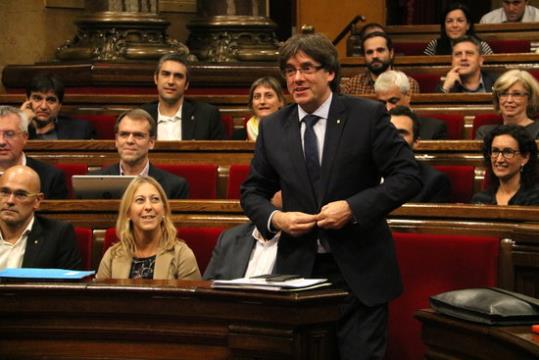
column 262, row 284
column 43, row 274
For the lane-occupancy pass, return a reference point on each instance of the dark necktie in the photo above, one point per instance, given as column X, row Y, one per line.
column 310, row 147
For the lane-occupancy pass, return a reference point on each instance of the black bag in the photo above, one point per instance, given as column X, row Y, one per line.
column 492, row 306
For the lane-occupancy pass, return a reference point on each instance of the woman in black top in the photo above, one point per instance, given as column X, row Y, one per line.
column 510, row 156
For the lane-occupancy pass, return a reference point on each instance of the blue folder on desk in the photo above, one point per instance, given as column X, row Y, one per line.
column 44, row 274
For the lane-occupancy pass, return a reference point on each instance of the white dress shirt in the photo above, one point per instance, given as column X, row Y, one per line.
column 11, row 255
column 263, row 255
column 169, row 127
column 145, row 171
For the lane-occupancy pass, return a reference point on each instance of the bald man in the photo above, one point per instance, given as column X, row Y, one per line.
column 28, row 240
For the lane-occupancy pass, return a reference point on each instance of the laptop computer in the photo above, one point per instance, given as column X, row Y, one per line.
column 100, row 186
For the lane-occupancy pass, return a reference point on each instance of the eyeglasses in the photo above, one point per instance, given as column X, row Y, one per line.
column 514, row 95
column 507, row 153
column 9, row 134
column 139, row 136
column 305, row 69
column 19, row 195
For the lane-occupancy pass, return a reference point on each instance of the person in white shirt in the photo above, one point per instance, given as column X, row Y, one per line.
column 243, row 252
column 512, row 11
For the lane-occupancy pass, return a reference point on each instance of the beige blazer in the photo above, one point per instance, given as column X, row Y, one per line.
column 176, row 262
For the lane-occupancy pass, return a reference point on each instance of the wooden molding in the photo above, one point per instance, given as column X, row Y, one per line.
column 65, row 4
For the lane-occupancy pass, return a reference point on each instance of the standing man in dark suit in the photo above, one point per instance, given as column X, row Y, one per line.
column 393, row 89
column 13, row 138
column 177, row 118
column 44, row 97
column 26, row 239
column 436, row 185
column 328, row 153
column 135, row 136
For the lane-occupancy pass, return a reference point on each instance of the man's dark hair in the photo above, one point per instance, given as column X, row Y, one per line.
column 470, row 39
column 318, row 47
column 137, row 114
column 176, row 58
column 389, row 42
column 369, row 26
column 526, row 145
column 401, row 110
column 45, row 83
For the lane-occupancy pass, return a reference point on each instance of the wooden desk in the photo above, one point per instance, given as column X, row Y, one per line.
column 450, row 338
column 129, row 319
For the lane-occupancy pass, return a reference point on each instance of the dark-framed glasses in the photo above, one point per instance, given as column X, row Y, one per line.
column 514, row 94
column 305, row 69
column 19, row 195
column 507, row 153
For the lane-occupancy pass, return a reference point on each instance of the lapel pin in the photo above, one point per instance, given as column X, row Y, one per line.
column 192, row 117
column 338, row 121
column 35, row 241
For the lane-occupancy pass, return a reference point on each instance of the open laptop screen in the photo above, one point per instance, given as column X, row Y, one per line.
column 100, row 186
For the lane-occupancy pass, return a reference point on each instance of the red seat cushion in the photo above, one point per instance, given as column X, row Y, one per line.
column 69, row 170
column 461, row 178
column 103, row 124
column 504, row 46
column 202, row 178
column 431, row 264
column 427, row 82
column 228, row 125
column 454, row 122
column 85, row 241
column 409, row 48
column 236, row 176
column 485, row 119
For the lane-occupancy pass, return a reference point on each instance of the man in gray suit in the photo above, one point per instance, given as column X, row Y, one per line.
column 135, row 135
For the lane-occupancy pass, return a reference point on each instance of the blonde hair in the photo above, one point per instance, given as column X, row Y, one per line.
column 124, row 226
column 508, row 79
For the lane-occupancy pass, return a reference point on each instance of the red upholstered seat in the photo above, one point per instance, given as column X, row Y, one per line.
column 454, row 122
column 461, row 178
column 85, row 241
column 236, row 176
column 202, row 178
column 103, row 124
column 432, row 264
column 201, row 240
column 409, row 48
column 427, row 82
column 504, row 46
column 69, row 170
column 485, row 119
column 228, row 124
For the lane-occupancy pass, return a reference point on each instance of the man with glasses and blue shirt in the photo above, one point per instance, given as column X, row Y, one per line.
column 28, row 240
column 328, row 153
column 13, row 138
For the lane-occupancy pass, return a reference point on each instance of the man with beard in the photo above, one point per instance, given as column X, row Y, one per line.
column 135, row 136
column 177, row 118
column 378, row 54
column 28, row 240
column 465, row 75
column 44, row 96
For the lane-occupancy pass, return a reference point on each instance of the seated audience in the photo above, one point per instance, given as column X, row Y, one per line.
column 176, row 117
column 516, row 98
column 44, row 96
column 512, row 11
column 510, row 156
column 135, row 137
column 265, row 97
column 14, row 135
column 393, row 88
column 456, row 22
column 436, row 185
column 379, row 56
column 242, row 251
column 466, row 75
column 28, row 240
column 148, row 246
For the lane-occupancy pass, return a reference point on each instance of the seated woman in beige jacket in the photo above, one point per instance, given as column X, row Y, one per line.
column 148, row 246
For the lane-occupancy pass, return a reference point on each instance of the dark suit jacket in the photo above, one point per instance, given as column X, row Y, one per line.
column 432, row 129
column 175, row 187
column 436, row 186
column 52, row 179
column 488, row 81
column 200, row 121
column 231, row 254
column 69, row 129
column 52, row 244
column 361, row 146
